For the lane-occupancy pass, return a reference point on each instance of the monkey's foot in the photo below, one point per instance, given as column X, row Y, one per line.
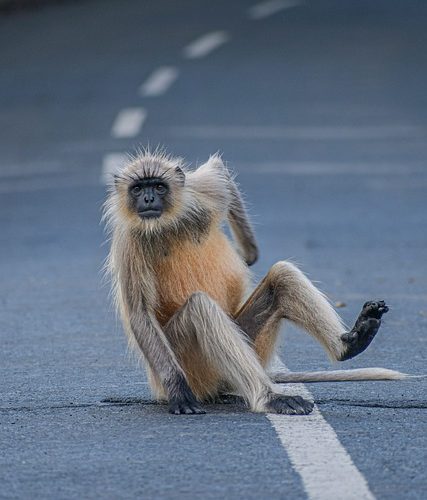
column 289, row 405
column 364, row 330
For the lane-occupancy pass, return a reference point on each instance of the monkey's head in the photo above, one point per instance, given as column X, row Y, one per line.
column 148, row 192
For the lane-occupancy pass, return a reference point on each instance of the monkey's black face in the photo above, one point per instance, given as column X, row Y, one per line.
column 149, row 197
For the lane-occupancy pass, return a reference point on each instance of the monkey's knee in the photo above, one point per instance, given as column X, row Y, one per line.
column 203, row 314
column 283, row 277
column 189, row 319
column 284, row 270
column 200, row 302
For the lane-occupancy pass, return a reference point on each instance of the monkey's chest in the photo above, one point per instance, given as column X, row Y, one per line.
column 212, row 267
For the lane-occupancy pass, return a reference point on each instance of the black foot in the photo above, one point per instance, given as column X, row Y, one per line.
column 365, row 329
column 289, row 405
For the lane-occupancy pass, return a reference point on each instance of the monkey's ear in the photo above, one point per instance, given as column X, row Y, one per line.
column 180, row 175
column 217, row 162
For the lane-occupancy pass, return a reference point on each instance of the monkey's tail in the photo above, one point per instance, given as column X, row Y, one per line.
column 340, row 376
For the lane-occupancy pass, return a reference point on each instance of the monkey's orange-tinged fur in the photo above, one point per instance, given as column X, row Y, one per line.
column 211, row 266
column 179, row 284
column 188, row 268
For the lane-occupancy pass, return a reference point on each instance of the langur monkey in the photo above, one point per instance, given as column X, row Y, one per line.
column 179, row 284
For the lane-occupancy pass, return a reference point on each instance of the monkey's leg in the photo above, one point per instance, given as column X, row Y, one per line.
column 287, row 293
column 201, row 322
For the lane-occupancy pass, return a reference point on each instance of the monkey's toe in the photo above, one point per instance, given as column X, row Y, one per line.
column 365, row 329
column 289, row 405
column 374, row 309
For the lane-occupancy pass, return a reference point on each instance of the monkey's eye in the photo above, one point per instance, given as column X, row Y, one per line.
column 136, row 190
column 161, row 189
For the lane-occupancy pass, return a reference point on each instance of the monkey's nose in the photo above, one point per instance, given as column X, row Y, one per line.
column 148, row 198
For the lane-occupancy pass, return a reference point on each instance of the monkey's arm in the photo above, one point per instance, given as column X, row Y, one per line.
column 241, row 226
column 222, row 196
column 159, row 355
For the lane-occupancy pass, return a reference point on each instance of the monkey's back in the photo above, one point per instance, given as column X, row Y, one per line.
column 211, row 266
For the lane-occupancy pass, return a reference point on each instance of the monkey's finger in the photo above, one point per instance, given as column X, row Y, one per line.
column 198, row 411
column 304, row 404
column 295, row 405
column 186, row 409
column 288, row 410
column 192, row 410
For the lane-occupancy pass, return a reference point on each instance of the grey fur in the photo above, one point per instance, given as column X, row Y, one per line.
column 200, row 336
column 134, row 251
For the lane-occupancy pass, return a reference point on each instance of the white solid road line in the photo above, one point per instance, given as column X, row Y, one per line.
column 111, row 163
column 204, row 45
column 159, row 81
column 301, row 132
column 128, row 122
column 266, row 9
column 326, row 469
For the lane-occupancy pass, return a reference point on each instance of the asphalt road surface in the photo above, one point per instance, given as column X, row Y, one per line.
column 321, row 109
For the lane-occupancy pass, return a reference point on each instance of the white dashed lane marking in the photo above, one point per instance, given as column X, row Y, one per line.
column 159, row 81
column 326, row 469
column 204, row 45
column 128, row 123
column 266, row 9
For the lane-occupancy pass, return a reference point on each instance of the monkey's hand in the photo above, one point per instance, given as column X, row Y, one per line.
column 251, row 253
column 364, row 330
column 183, row 402
column 185, row 407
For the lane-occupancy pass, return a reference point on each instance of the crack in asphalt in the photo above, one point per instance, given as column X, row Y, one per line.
column 97, row 404
column 406, row 405
column 117, row 402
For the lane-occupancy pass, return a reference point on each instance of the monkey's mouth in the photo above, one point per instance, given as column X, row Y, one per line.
column 149, row 214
